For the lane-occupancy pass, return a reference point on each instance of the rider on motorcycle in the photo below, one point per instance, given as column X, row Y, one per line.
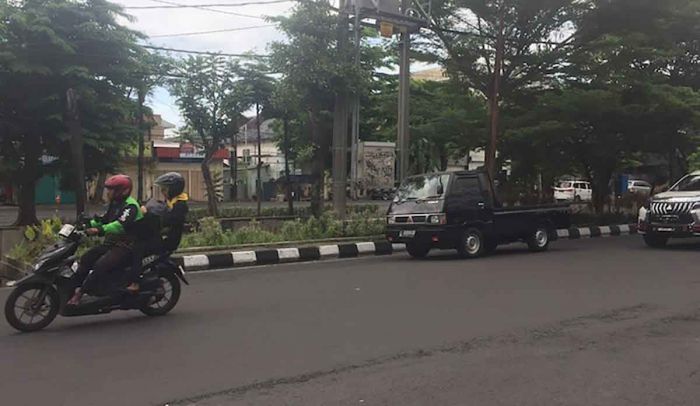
column 117, row 225
column 169, row 223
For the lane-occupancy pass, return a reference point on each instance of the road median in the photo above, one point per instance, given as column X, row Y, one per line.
column 318, row 250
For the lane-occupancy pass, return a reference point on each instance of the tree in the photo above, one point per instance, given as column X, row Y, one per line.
column 151, row 72
column 258, row 87
column 284, row 103
column 317, row 70
column 205, row 89
column 501, row 48
column 55, row 52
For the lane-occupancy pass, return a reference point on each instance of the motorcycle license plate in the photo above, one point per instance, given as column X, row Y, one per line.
column 407, row 233
column 66, row 230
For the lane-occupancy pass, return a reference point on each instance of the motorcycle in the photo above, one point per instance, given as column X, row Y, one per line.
column 43, row 294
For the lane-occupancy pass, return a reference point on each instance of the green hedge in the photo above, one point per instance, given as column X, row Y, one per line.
column 197, row 214
column 210, row 233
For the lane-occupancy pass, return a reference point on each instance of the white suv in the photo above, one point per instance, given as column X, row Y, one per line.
column 639, row 187
column 672, row 214
column 573, row 190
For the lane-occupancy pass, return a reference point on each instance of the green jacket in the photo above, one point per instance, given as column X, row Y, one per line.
column 117, row 224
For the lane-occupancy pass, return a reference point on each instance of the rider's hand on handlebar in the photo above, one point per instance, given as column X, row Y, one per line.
column 92, row 231
column 144, row 210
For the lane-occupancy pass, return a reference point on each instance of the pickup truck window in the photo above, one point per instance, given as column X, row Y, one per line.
column 423, row 187
column 468, row 187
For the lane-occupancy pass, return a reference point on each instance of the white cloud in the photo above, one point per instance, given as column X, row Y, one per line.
column 187, row 20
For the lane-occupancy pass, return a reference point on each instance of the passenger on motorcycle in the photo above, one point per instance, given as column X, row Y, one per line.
column 117, row 225
column 169, row 222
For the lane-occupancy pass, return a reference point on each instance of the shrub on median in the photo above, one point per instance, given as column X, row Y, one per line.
column 198, row 213
column 40, row 236
column 210, row 233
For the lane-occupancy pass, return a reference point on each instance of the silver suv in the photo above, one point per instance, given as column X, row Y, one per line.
column 672, row 214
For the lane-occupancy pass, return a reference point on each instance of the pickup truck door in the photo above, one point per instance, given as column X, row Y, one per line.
column 466, row 202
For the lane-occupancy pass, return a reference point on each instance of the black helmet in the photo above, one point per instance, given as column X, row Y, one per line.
column 173, row 182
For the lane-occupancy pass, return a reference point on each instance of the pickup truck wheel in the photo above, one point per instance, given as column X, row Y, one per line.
column 655, row 241
column 417, row 251
column 473, row 244
column 539, row 240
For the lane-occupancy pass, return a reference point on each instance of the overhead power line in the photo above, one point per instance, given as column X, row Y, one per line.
column 187, row 51
column 249, row 3
column 212, row 10
column 185, row 34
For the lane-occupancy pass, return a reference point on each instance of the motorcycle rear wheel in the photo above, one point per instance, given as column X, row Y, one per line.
column 165, row 301
column 26, row 312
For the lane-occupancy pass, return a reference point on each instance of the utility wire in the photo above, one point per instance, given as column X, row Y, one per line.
column 212, row 10
column 249, row 3
column 185, row 34
column 186, row 51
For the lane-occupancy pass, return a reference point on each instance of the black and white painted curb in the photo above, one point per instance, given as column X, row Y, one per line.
column 352, row 250
column 593, row 232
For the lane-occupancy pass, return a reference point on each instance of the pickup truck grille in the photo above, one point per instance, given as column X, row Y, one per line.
column 410, row 219
column 663, row 208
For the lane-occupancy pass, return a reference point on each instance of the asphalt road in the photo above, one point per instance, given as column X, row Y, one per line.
column 592, row 322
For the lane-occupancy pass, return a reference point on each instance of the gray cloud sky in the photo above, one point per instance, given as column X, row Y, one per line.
column 186, row 20
column 164, row 21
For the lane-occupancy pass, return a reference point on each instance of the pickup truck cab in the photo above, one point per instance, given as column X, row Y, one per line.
column 461, row 211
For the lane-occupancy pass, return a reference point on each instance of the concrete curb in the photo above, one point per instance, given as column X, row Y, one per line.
column 350, row 250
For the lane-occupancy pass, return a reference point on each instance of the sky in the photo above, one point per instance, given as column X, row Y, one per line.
column 154, row 22
column 157, row 22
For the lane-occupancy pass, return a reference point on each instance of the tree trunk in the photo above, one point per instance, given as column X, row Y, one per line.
column 317, row 165
column 99, row 188
column 212, row 203
column 77, row 144
column 601, row 189
column 258, row 185
column 139, row 164
column 443, row 161
column 288, row 183
column 27, row 177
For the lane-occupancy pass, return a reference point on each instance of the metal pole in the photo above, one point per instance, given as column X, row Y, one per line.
column 404, row 110
column 340, row 127
column 141, row 146
column 356, row 110
column 259, row 189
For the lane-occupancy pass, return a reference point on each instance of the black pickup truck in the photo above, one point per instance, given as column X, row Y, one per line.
column 460, row 210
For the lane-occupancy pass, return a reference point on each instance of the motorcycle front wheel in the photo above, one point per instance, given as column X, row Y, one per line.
column 165, row 298
column 31, row 307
